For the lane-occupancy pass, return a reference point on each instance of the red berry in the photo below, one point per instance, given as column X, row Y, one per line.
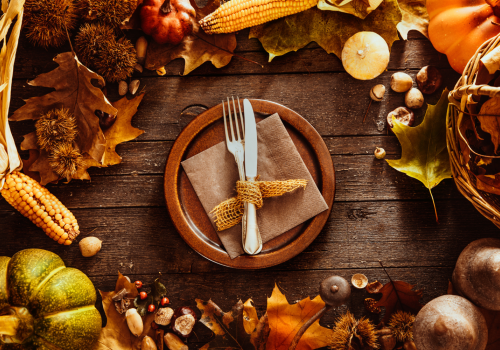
column 165, row 301
column 138, row 284
column 151, row 308
column 143, row 295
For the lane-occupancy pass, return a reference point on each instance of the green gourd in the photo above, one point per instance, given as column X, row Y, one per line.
column 45, row 305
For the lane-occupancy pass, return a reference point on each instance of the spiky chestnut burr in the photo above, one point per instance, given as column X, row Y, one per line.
column 116, row 61
column 90, row 40
column 55, row 127
column 111, row 12
column 45, row 21
column 65, row 160
column 401, row 324
column 348, row 330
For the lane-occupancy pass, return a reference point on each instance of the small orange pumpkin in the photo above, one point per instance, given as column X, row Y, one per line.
column 458, row 27
column 167, row 21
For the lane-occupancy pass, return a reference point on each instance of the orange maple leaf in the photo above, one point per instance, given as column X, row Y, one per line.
column 285, row 320
column 399, row 295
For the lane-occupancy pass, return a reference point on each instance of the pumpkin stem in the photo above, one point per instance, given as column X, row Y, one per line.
column 16, row 324
column 165, row 8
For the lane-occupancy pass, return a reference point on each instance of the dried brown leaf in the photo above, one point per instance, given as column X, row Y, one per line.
column 196, row 48
column 358, row 8
column 399, row 295
column 374, row 287
column 261, row 333
column 491, row 124
column 415, row 17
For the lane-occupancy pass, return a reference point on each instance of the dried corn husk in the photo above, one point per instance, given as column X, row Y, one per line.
column 10, row 159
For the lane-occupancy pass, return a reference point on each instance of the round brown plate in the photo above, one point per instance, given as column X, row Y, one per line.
column 190, row 218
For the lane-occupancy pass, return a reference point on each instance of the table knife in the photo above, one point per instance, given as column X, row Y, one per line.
column 252, row 242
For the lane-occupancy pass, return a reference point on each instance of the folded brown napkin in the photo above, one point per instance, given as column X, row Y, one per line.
column 213, row 174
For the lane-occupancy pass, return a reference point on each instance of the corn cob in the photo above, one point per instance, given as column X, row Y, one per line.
column 40, row 206
column 235, row 15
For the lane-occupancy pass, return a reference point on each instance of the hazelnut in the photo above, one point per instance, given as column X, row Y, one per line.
column 429, row 79
column 138, row 68
column 414, row 99
column 377, row 92
column 183, row 321
column 401, row 82
column 379, row 154
column 148, row 343
column 122, row 88
column 163, row 316
column 134, row 85
column 402, row 115
column 359, row 280
column 90, row 246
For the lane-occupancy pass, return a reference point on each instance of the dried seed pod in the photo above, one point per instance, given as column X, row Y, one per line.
column 90, row 246
column 429, row 79
column 90, row 40
column 374, row 287
column 359, row 280
column 174, row 342
column 403, row 115
column 141, row 46
column 134, row 85
column 377, row 92
column 370, row 306
column 379, row 153
column 414, row 99
column 148, row 344
column 120, row 295
column 116, row 61
column 183, row 321
column 65, row 160
column 163, row 316
column 134, row 322
column 401, row 324
column 401, row 82
column 350, row 333
column 55, row 127
column 111, row 12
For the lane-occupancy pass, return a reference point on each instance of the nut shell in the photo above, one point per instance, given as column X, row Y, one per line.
column 164, row 316
column 429, row 79
column 403, row 115
column 450, row 322
column 335, row 291
column 414, row 99
column 183, row 321
column 401, row 82
column 476, row 274
column 377, row 92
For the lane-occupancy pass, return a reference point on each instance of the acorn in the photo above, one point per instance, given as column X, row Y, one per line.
column 55, row 127
column 90, row 41
column 45, row 21
column 65, row 160
column 349, row 333
column 111, row 12
column 116, row 61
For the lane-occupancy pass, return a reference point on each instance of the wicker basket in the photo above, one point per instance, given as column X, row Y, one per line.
column 486, row 203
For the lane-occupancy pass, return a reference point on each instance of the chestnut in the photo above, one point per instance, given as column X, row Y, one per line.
column 429, row 79
column 105, row 119
column 183, row 321
column 402, row 115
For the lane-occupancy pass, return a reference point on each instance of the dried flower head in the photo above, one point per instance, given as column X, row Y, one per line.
column 65, row 160
column 112, row 12
column 90, row 40
column 45, row 21
column 401, row 324
column 57, row 126
column 349, row 333
column 116, row 61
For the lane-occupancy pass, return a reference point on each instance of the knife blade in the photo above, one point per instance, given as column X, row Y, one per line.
column 250, row 140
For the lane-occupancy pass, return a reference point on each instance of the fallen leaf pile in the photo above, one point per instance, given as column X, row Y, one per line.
column 75, row 90
column 424, row 153
column 196, row 48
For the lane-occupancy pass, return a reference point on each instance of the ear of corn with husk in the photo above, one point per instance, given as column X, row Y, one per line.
column 235, row 15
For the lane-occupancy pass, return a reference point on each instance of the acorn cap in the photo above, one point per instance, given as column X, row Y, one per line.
column 476, row 274
column 450, row 322
column 335, row 291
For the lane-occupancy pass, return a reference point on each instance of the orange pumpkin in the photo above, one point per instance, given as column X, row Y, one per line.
column 458, row 27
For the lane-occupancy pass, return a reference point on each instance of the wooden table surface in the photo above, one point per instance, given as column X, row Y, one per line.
column 378, row 214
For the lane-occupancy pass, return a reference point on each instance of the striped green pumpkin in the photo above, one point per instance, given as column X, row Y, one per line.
column 45, row 305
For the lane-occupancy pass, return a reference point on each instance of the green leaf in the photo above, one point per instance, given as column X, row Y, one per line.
column 425, row 156
column 358, row 8
column 142, row 304
column 330, row 29
column 158, row 291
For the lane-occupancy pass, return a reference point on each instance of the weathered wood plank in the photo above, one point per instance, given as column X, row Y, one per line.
column 357, row 235
column 334, row 103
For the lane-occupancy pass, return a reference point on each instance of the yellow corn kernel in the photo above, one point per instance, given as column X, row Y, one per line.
column 43, row 209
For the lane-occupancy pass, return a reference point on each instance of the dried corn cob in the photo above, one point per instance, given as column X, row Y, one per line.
column 41, row 207
column 235, row 15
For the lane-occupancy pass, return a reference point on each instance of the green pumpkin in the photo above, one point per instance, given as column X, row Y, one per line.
column 46, row 305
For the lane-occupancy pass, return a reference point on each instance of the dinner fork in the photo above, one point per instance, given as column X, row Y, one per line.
column 236, row 146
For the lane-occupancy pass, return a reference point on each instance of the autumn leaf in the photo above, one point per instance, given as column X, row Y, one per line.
column 74, row 90
column 327, row 28
column 230, row 328
column 358, row 8
column 491, row 124
column 116, row 335
column 415, row 17
column 196, row 48
column 424, row 153
column 250, row 316
column 261, row 333
column 399, row 295
column 285, row 320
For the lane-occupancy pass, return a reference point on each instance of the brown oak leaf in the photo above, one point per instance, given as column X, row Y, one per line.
column 196, row 48
column 285, row 320
column 399, row 295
